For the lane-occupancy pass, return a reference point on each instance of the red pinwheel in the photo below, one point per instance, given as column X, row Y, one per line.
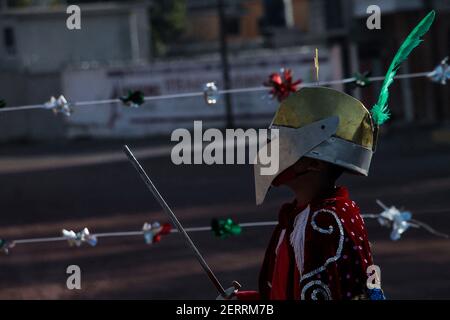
column 165, row 229
column 282, row 84
column 154, row 231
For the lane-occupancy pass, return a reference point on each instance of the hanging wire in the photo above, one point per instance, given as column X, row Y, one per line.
column 412, row 222
column 199, row 94
column 135, row 233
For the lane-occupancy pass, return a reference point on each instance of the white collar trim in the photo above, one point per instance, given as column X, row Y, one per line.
column 298, row 237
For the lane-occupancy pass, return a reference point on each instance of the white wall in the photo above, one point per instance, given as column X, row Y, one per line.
column 162, row 116
column 45, row 44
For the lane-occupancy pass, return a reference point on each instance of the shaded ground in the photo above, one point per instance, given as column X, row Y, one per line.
column 46, row 188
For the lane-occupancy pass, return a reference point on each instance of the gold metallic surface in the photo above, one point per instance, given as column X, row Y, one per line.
column 309, row 105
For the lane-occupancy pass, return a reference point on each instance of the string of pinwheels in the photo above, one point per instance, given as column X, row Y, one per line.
column 399, row 221
column 279, row 85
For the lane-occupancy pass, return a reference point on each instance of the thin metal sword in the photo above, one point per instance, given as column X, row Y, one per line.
column 177, row 223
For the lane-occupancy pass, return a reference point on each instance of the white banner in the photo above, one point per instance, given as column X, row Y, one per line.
column 182, row 76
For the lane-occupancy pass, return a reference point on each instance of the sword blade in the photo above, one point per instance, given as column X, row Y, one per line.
column 174, row 219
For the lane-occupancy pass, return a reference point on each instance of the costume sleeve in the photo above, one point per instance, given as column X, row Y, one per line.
column 248, row 295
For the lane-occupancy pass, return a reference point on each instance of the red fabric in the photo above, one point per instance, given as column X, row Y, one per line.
column 280, row 278
column 248, row 295
column 284, row 273
column 343, row 277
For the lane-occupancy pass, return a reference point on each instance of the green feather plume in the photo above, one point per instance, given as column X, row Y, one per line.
column 380, row 111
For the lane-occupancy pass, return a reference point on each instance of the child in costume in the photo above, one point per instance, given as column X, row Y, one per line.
column 320, row 247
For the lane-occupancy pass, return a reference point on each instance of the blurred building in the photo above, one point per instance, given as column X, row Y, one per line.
column 36, row 48
column 418, row 99
column 36, row 39
column 341, row 26
column 249, row 24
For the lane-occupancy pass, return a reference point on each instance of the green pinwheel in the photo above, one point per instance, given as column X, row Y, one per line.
column 224, row 228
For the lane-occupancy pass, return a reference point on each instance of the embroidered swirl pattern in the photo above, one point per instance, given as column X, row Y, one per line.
column 323, row 289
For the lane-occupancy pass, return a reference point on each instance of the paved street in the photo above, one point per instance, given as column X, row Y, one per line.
column 90, row 184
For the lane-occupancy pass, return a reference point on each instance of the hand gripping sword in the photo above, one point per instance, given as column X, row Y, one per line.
column 224, row 293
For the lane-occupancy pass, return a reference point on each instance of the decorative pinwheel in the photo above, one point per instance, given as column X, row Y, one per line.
column 133, row 99
column 59, row 105
column 78, row 238
column 362, row 79
column 441, row 73
column 6, row 245
column 399, row 221
column 282, row 84
column 224, row 228
column 154, row 231
column 210, row 93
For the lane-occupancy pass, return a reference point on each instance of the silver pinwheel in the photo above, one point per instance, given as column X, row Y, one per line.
column 441, row 73
column 211, row 93
column 78, row 238
column 59, row 105
column 399, row 221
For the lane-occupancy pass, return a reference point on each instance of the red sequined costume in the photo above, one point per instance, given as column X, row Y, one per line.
column 317, row 252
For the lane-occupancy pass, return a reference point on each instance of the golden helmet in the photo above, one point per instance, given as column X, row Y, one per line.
column 331, row 126
column 324, row 124
column 352, row 145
